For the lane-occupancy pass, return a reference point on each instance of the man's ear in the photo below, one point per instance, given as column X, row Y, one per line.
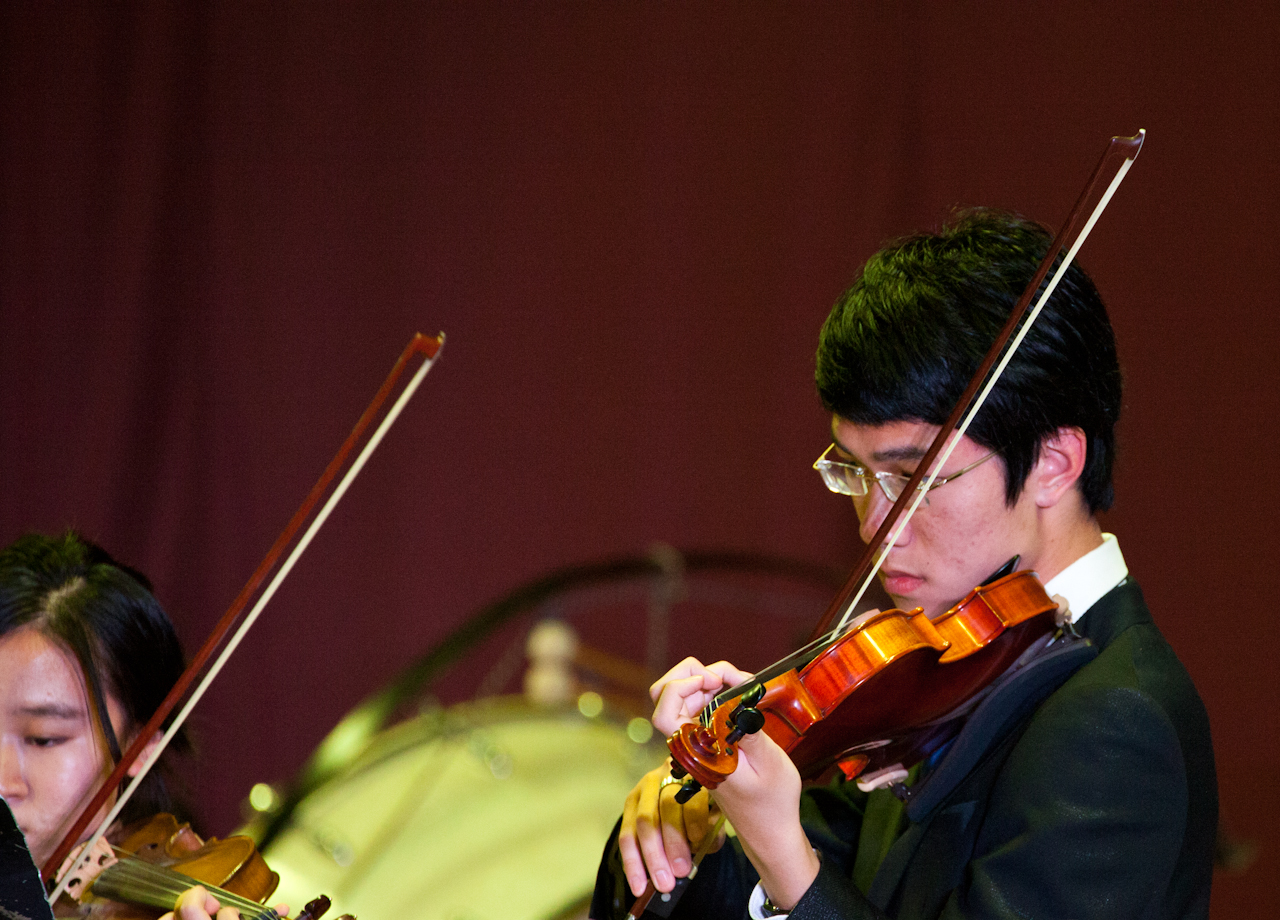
column 147, row 751
column 1059, row 466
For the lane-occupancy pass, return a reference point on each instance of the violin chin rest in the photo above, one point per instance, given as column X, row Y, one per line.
column 887, row 776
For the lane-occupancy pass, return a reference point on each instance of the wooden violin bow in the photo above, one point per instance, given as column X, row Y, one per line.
column 421, row 346
column 1106, row 178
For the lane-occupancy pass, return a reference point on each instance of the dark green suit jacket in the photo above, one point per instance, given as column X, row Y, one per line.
column 1100, row 802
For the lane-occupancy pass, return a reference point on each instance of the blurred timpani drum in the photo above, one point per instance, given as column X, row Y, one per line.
column 493, row 809
column 500, row 808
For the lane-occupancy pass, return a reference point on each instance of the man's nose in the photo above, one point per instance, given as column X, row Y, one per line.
column 872, row 509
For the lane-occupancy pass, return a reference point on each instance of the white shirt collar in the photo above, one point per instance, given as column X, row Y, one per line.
column 1088, row 578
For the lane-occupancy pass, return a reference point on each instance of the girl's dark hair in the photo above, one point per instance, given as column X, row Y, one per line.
column 902, row 343
column 73, row 592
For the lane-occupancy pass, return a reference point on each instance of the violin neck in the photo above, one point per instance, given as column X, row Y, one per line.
column 144, row 884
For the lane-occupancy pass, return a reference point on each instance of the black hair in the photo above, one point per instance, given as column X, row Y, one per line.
column 903, row 341
column 73, row 592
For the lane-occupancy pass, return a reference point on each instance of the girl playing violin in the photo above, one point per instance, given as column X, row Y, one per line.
column 86, row 655
column 1100, row 800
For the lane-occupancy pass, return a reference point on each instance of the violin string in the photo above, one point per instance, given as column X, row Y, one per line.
column 357, row 465
column 812, row 649
column 160, row 886
column 793, row 661
column 133, row 878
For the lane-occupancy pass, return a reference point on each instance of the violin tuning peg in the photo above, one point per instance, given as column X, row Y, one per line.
column 750, row 721
column 688, row 790
column 315, row 909
column 748, row 700
column 747, row 720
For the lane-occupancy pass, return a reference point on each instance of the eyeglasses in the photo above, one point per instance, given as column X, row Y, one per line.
column 850, row 479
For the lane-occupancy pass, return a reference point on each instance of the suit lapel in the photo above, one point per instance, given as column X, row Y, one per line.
column 931, row 849
column 894, row 864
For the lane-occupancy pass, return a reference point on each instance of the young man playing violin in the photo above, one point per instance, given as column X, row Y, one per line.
column 1098, row 799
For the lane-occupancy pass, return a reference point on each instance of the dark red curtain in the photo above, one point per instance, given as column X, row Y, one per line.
column 221, row 222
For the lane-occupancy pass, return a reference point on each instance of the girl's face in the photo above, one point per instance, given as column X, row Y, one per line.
column 52, row 752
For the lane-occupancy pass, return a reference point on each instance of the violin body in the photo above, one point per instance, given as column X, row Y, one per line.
column 159, row 858
column 887, row 692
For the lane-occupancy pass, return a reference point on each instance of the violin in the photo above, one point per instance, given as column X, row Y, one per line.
column 152, row 862
column 915, row 679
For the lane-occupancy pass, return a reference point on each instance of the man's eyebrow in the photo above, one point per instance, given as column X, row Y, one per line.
column 848, row 455
column 909, row 452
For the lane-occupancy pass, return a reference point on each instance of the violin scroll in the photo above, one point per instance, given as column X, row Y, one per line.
column 745, row 719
